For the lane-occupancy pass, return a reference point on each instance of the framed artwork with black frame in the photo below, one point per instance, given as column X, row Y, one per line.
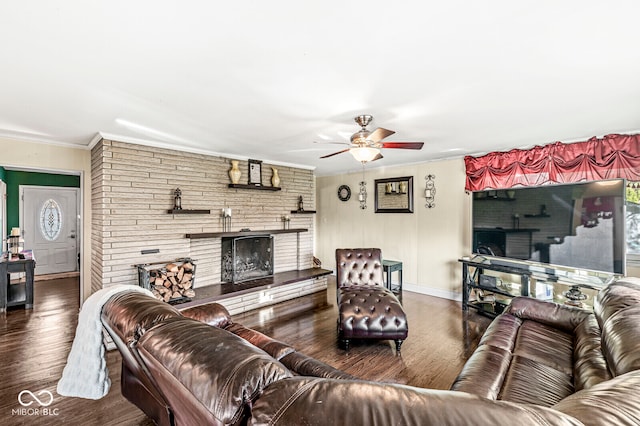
column 255, row 172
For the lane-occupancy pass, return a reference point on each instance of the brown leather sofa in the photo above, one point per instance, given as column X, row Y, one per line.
column 538, row 363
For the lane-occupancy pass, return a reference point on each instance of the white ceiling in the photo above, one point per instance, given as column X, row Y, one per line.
column 265, row 79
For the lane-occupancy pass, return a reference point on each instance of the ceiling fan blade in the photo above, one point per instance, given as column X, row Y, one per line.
column 377, row 157
column 331, row 143
column 378, row 134
column 335, row 153
column 403, row 145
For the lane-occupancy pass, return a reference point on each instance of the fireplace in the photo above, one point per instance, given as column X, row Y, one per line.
column 247, row 258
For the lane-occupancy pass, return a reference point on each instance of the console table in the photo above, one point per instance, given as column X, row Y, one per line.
column 20, row 293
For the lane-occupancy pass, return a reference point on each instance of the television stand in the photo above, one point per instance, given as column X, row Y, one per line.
column 492, row 280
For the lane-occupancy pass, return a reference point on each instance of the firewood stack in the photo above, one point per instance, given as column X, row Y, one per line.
column 173, row 281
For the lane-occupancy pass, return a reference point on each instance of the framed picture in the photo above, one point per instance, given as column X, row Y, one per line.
column 255, row 172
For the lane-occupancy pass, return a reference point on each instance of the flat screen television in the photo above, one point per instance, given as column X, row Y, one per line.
column 580, row 225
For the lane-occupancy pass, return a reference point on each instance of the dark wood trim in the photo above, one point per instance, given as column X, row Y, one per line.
column 303, row 212
column 187, row 211
column 245, row 233
column 259, row 187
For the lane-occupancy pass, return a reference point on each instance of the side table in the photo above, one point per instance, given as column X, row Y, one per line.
column 389, row 267
column 16, row 294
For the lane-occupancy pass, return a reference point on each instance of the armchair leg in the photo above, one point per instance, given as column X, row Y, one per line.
column 398, row 344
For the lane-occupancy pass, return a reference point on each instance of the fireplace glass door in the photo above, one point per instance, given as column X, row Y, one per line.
column 247, row 258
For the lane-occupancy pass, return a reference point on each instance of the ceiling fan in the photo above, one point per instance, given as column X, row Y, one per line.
column 366, row 145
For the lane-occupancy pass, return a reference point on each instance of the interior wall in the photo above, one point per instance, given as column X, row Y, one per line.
column 63, row 159
column 428, row 241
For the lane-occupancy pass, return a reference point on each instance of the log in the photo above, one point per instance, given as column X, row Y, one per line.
column 187, row 266
column 180, row 274
column 172, row 267
column 166, row 297
column 158, row 281
column 190, row 293
column 187, row 285
column 186, row 278
column 176, row 295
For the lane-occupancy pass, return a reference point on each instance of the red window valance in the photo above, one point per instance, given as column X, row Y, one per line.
column 613, row 156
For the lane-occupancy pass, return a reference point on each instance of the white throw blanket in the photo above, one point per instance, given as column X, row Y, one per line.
column 86, row 374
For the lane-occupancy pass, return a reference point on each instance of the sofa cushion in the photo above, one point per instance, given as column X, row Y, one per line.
column 532, row 382
column 615, row 297
column 621, row 340
column 206, row 368
column 320, row 402
column 612, row 402
column 589, row 365
column 555, row 315
column 545, row 345
column 484, row 372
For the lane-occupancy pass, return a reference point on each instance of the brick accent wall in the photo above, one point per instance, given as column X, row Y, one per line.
column 132, row 189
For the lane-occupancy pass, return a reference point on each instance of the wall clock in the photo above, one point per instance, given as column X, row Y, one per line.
column 344, row 192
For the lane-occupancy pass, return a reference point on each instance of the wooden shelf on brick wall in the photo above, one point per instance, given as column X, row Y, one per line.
column 245, row 233
column 258, row 187
column 187, row 211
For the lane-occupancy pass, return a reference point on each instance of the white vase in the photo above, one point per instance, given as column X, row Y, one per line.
column 275, row 179
column 234, row 172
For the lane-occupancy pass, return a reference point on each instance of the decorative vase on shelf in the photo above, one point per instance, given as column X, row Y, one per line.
column 234, row 172
column 275, row 179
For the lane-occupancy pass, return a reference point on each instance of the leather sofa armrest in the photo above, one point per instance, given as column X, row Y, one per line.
column 275, row 348
column 305, row 365
column 552, row 314
column 213, row 314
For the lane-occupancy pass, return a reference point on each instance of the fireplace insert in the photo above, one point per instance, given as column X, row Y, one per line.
column 247, row 258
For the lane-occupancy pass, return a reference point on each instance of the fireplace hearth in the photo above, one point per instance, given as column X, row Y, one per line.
column 247, row 258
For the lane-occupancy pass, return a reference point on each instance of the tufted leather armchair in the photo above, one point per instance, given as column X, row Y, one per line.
column 367, row 310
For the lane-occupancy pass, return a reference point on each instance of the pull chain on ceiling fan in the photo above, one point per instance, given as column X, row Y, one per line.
column 366, row 145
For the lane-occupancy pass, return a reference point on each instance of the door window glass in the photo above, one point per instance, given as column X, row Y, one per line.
column 50, row 220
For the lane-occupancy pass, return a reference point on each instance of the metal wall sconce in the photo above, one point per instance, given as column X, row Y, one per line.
column 362, row 195
column 430, row 191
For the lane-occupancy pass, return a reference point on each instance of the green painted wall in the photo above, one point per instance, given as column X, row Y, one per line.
column 14, row 179
column 2, row 173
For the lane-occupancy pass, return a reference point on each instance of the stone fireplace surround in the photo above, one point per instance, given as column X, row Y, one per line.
column 132, row 189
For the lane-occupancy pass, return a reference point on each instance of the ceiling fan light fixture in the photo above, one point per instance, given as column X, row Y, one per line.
column 364, row 154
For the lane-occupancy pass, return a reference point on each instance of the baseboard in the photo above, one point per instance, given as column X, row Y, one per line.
column 430, row 291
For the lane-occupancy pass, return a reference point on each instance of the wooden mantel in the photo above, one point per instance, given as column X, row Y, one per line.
column 245, row 233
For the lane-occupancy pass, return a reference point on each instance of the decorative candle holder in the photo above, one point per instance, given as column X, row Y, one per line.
column 226, row 219
column 286, row 221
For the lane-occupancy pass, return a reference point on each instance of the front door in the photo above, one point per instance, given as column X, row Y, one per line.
column 49, row 219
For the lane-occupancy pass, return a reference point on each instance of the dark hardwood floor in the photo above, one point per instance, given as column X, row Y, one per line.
column 34, row 345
